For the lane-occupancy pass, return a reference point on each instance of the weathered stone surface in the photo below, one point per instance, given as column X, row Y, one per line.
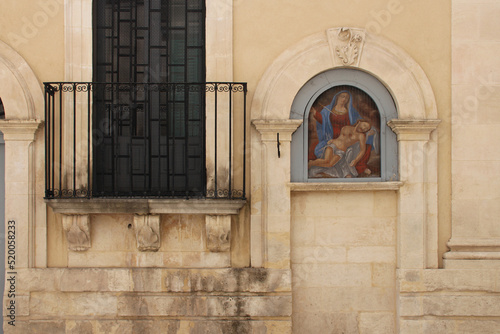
column 95, row 280
column 218, row 230
column 36, row 327
column 114, row 327
column 337, row 300
column 79, row 327
column 462, row 305
column 460, row 326
column 227, row 280
column 319, row 322
column 146, row 280
column 38, row 279
column 333, row 275
column 147, row 232
column 384, row 275
column 377, row 323
column 59, row 304
column 449, row 305
column 204, row 306
column 374, row 254
column 198, row 326
column 449, row 280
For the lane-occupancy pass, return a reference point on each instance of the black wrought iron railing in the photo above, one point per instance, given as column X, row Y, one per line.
column 173, row 140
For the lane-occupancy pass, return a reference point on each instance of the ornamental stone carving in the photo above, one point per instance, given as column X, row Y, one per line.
column 346, row 45
column 218, row 233
column 77, row 229
column 147, row 232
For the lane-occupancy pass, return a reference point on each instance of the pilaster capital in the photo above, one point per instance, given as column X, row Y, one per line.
column 413, row 129
column 268, row 128
column 19, row 129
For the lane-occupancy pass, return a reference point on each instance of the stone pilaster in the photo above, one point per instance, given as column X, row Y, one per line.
column 270, row 238
column 20, row 185
column 417, row 212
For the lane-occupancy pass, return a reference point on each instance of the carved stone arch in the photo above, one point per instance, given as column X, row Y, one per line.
column 23, row 101
column 20, row 90
column 417, row 141
column 381, row 58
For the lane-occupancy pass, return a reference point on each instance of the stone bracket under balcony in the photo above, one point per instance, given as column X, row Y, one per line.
column 76, row 219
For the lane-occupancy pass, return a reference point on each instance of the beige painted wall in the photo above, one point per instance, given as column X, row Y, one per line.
column 35, row 30
column 264, row 29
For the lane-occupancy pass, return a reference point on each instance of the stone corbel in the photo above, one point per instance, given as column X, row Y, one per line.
column 413, row 129
column 218, row 233
column 147, row 232
column 77, row 229
column 268, row 128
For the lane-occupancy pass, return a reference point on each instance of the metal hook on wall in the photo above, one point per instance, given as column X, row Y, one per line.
column 278, row 144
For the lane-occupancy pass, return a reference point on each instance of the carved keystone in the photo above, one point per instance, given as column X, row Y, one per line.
column 77, row 229
column 346, row 45
column 218, row 233
column 147, row 232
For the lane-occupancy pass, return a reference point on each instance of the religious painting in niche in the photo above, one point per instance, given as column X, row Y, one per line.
column 343, row 135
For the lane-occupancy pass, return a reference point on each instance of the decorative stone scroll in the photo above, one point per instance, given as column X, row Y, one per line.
column 218, row 233
column 346, row 45
column 77, row 229
column 147, row 232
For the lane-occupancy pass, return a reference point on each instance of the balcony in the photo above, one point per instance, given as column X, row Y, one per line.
column 142, row 140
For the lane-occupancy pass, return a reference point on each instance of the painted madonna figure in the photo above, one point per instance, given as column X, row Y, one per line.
column 341, row 140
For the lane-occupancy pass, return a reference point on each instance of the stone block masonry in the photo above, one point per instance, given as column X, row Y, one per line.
column 150, row 300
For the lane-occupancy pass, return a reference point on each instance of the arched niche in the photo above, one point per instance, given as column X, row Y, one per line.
column 414, row 125
column 381, row 104
column 20, row 90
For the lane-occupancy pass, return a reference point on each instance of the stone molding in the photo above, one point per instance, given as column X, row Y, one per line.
column 22, row 130
column 345, row 186
column 147, row 232
column 77, row 230
column 269, row 127
column 218, row 230
column 21, row 91
column 464, row 249
column 413, row 129
column 145, row 206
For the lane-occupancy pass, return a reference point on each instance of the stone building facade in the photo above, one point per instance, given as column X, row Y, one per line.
column 414, row 247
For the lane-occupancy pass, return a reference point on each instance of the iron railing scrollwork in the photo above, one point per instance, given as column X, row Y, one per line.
column 158, row 140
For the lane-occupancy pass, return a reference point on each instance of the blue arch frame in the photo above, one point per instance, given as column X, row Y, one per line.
column 385, row 104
